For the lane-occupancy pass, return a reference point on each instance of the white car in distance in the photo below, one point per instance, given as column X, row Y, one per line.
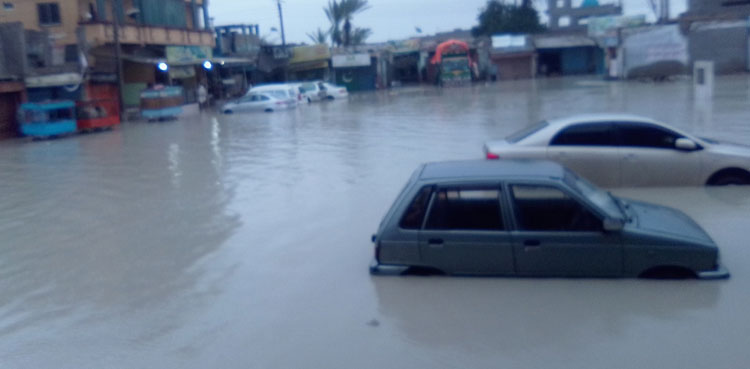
column 615, row 150
column 333, row 92
column 256, row 101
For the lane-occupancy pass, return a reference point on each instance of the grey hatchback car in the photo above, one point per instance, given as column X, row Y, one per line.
column 535, row 218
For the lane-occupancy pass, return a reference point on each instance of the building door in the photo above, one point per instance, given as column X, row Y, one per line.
column 8, row 106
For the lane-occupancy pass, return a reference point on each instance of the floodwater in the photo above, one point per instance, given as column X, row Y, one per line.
column 242, row 241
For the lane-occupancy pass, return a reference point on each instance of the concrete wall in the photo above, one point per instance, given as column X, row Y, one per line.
column 26, row 13
column 12, row 50
column 712, row 7
column 726, row 44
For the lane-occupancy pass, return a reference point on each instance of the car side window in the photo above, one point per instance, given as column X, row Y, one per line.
column 466, row 209
column 263, row 98
column 587, row 134
column 253, row 98
column 414, row 214
column 646, row 135
column 546, row 208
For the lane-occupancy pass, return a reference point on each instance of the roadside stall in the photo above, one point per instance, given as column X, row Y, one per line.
column 161, row 103
column 97, row 114
column 47, row 119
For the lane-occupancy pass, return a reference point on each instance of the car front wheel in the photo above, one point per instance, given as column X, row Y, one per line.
column 730, row 180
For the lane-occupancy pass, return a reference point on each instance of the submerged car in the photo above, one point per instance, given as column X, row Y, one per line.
column 267, row 102
column 535, row 218
column 615, row 150
column 313, row 91
column 333, row 92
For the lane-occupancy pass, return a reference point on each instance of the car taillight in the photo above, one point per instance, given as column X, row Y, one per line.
column 492, row 156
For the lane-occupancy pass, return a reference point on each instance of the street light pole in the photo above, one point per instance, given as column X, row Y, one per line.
column 281, row 20
column 118, row 55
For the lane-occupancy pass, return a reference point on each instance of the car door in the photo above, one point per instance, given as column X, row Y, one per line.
column 556, row 234
column 650, row 157
column 589, row 149
column 244, row 103
column 465, row 231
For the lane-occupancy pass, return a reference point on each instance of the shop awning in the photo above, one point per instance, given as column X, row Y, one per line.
column 316, row 64
column 561, row 42
column 61, row 79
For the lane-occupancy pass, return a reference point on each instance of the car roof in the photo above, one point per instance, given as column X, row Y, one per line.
column 497, row 169
column 602, row 117
column 275, row 86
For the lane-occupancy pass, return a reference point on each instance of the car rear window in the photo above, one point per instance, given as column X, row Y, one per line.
column 526, row 132
column 414, row 215
column 466, row 209
column 586, row 134
column 278, row 94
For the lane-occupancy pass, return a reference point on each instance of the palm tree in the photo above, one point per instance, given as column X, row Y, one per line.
column 319, row 36
column 343, row 11
column 349, row 9
column 335, row 16
column 360, row 35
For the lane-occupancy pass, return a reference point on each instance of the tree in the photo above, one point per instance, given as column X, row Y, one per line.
column 319, row 36
column 360, row 35
column 335, row 16
column 342, row 11
column 497, row 17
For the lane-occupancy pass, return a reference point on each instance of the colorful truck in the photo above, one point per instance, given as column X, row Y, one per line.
column 454, row 63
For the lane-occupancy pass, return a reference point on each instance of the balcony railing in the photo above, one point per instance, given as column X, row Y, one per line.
column 101, row 33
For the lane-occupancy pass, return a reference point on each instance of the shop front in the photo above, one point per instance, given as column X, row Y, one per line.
column 309, row 63
column 358, row 72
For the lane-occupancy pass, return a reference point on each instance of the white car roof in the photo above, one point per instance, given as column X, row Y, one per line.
column 602, row 117
column 275, row 86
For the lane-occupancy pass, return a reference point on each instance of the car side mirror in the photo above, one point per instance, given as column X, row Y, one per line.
column 612, row 225
column 685, row 144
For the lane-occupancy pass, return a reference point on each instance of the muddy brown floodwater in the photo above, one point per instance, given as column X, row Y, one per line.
column 242, row 241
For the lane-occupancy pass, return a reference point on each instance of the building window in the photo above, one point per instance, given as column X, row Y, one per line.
column 8, row 6
column 49, row 13
column 71, row 53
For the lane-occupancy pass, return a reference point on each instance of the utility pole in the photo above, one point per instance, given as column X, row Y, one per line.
column 118, row 54
column 281, row 20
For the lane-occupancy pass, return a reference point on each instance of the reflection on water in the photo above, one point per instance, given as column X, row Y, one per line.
column 245, row 238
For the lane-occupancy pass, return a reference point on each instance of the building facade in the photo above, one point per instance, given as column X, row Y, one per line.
column 166, row 41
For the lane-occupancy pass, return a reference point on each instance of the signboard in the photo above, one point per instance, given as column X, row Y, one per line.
column 188, row 54
column 507, row 41
column 301, row 54
column 605, row 29
column 661, row 47
column 353, row 60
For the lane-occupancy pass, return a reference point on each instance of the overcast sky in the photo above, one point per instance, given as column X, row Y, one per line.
column 388, row 19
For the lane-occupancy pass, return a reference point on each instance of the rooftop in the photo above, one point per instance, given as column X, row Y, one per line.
column 491, row 169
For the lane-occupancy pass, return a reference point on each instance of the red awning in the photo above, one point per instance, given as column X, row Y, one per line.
column 448, row 45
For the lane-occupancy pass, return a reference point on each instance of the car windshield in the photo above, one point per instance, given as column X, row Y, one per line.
column 526, row 132
column 602, row 199
column 278, row 94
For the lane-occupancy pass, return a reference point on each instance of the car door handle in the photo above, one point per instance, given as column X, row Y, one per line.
column 435, row 242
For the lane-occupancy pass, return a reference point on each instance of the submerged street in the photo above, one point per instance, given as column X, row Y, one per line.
column 243, row 241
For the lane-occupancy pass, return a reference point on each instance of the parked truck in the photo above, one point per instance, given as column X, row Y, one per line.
column 453, row 62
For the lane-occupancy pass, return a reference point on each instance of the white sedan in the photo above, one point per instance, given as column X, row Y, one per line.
column 334, row 92
column 254, row 101
column 628, row 151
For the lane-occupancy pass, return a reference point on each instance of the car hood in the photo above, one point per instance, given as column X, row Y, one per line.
column 728, row 148
column 495, row 145
column 666, row 221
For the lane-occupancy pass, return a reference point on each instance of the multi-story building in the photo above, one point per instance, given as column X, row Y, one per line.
column 165, row 41
column 717, row 31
